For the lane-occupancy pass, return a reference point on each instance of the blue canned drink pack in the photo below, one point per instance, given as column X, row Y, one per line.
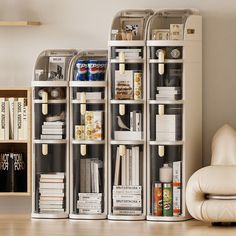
column 93, row 70
column 82, row 70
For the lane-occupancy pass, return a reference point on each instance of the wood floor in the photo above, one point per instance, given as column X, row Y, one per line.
column 25, row 226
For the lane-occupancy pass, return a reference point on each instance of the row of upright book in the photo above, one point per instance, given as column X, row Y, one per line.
column 13, row 118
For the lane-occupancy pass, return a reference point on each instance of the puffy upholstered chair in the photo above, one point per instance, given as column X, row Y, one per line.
column 211, row 191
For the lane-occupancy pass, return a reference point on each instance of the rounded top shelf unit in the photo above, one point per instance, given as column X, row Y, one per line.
column 130, row 25
column 174, row 25
column 52, row 67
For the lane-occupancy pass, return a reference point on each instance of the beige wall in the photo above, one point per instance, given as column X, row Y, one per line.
column 85, row 24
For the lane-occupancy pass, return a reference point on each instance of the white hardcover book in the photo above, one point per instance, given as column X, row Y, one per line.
column 92, row 177
column 123, row 170
column 2, row 118
column 131, row 135
column 53, row 123
column 130, row 188
column 131, row 120
column 92, row 196
column 51, row 210
column 52, row 131
column 117, row 167
column 50, row 202
column 138, row 122
column 90, row 95
column 25, row 120
column 52, row 127
column 57, row 175
column 90, row 211
column 15, row 132
column 127, row 166
column 96, row 177
column 162, row 88
column 52, row 190
column 45, row 194
column 50, row 206
column 44, row 180
column 133, row 152
column 130, row 167
column 52, row 185
column 11, row 117
column 127, row 212
column 20, row 118
column 51, row 136
column 87, row 175
column 128, row 197
column 137, row 152
column 7, row 116
column 177, row 171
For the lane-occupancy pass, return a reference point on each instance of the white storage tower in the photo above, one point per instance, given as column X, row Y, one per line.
column 174, row 110
column 127, row 116
column 88, row 135
column 50, row 134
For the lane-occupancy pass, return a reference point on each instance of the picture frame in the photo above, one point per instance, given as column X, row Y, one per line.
column 134, row 26
column 160, row 34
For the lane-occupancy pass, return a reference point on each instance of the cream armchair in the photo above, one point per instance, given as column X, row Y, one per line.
column 211, row 191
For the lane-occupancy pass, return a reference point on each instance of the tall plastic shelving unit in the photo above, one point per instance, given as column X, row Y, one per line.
column 88, row 151
column 127, row 116
column 174, row 110
column 50, row 153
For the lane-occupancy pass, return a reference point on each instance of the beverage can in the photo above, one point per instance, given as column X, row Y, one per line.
column 82, row 70
column 102, row 70
column 157, row 199
column 93, row 70
column 167, row 199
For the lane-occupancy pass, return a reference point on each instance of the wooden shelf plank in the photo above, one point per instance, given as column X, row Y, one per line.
column 19, row 23
column 17, row 194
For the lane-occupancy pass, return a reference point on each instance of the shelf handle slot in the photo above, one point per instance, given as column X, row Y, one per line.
column 122, row 109
column 45, row 101
column 122, row 62
column 83, row 103
column 45, row 149
column 83, row 150
column 161, row 58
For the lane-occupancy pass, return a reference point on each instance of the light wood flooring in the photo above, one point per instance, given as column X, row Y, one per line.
column 25, row 226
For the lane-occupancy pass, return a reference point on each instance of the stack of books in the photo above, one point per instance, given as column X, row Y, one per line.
column 127, row 200
column 168, row 93
column 51, row 189
column 89, row 203
column 53, row 130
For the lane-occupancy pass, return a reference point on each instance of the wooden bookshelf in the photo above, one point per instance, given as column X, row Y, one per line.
column 20, row 23
column 19, row 146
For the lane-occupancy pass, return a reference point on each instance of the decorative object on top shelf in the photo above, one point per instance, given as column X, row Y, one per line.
column 174, row 112
column 51, row 134
column 130, row 25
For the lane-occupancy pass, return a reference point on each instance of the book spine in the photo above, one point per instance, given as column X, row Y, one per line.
column 137, row 165
column 15, row 119
column 127, row 167
column 2, row 118
column 7, row 119
column 131, row 121
column 121, row 187
column 20, row 118
column 117, row 167
column 123, row 171
column 88, row 175
column 127, row 212
column 25, row 120
column 82, row 175
column 11, row 117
